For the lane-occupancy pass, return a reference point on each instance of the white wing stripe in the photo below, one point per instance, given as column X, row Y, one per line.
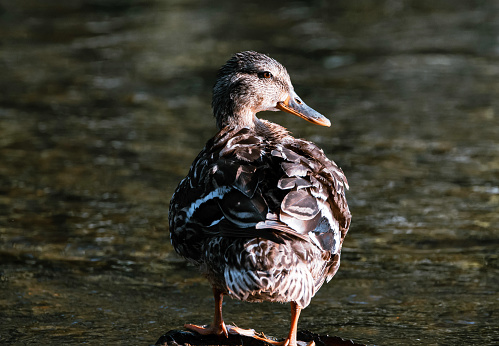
column 217, row 193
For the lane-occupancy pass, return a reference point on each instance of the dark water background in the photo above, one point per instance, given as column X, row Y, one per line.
column 104, row 105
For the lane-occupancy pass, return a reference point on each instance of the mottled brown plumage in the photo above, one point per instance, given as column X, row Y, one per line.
column 263, row 214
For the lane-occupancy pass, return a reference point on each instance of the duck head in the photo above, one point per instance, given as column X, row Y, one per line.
column 251, row 82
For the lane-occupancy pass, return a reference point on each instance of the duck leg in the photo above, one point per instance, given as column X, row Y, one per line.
column 291, row 339
column 217, row 327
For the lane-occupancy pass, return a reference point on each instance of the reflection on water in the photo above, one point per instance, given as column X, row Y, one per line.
column 105, row 104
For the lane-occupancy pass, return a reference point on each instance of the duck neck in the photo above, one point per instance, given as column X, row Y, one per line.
column 235, row 117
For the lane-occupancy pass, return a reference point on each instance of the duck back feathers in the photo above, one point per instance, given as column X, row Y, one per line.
column 262, row 215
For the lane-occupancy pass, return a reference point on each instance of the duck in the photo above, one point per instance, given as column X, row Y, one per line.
column 262, row 214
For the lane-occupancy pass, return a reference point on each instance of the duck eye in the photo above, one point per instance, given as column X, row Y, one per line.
column 265, row 74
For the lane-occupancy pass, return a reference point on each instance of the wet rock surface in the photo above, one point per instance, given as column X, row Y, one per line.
column 181, row 337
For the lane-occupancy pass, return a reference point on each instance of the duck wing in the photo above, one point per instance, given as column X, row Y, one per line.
column 219, row 196
column 240, row 185
column 315, row 204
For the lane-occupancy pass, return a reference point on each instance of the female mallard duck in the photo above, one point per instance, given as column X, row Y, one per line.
column 263, row 214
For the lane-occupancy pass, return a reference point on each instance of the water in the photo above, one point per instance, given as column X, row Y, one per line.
column 103, row 106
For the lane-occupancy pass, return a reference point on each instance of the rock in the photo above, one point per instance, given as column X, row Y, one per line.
column 182, row 337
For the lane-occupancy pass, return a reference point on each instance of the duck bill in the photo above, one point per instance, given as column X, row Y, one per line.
column 296, row 106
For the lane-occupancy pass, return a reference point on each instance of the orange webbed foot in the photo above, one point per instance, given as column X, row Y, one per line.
column 286, row 342
column 208, row 330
